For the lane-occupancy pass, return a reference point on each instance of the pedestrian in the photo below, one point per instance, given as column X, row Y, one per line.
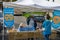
column 47, row 27
column 31, row 21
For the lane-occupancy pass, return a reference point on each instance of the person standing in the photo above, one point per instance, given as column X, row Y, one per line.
column 47, row 27
column 31, row 22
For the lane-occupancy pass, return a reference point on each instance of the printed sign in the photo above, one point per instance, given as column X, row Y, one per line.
column 56, row 18
column 9, row 17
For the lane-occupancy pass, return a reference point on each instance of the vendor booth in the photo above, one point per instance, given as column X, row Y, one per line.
column 29, row 6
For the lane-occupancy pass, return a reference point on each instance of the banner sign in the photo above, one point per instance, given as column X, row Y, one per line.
column 56, row 18
column 9, row 17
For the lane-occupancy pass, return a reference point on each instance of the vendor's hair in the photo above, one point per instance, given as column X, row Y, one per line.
column 48, row 16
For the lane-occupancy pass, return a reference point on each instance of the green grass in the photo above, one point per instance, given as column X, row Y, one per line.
column 37, row 13
column 26, row 15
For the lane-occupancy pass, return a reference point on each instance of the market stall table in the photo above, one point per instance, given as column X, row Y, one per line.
column 30, row 34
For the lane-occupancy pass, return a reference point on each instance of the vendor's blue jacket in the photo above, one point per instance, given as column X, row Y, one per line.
column 47, row 26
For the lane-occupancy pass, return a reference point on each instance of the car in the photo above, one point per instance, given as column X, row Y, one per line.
column 39, row 18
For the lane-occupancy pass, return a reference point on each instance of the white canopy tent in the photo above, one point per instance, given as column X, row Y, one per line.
column 24, row 2
column 47, row 4
column 33, row 5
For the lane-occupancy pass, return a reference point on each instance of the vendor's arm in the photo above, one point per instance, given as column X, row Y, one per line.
column 18, row 30
column 43, row 26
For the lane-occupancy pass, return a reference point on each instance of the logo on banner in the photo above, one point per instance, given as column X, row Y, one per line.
column 9, row 17
column 56, row 18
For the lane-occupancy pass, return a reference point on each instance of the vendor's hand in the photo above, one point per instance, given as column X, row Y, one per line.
column 40, row 30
